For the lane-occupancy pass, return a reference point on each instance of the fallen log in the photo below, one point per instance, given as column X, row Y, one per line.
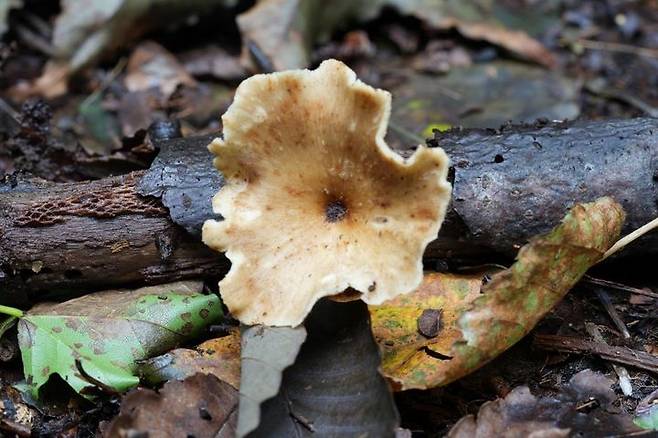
column 144, row 227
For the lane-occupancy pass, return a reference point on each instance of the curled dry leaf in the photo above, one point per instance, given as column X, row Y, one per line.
column 304, row 153
column 481, row 321
column 219, row 357
column 152, row 66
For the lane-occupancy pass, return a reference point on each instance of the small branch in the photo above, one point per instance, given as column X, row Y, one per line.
column 623, row 355
column 617, row 47
column 612, row 312
column 621, row 243
column 619, row 286
column 622, row 373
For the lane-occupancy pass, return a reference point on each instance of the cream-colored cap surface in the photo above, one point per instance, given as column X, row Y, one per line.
column 315, row 202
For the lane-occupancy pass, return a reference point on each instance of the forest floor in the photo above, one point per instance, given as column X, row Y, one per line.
column 600, row 62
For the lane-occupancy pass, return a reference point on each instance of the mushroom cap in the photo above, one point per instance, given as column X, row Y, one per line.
column 315, row 202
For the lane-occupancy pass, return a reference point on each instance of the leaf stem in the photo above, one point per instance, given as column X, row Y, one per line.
column 11, row 311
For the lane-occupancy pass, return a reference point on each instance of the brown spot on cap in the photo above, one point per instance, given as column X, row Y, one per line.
column 203, row 313
column 57, row 330
column 335, row 211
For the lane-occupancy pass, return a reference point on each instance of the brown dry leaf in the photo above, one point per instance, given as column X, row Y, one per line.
column 584, row 407
column 219, row 356
column 480, row 322
column 200, row 406
column 213, row 61
column 152, row 66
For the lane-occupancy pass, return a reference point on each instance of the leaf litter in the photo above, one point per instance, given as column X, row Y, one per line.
column 201, row 406
column 97, row 339
column 484, row 318
column 584, row 407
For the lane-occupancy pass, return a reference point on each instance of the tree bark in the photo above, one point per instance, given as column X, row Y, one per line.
column 144, row 227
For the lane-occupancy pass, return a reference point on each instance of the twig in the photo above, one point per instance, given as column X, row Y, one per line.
column 612, row 312
column 35, row 41
column 619, row 95
column 619, row 286
column 623, row 355
column 621, row 243
column 617, row 47
column 94, row 381
column 405, row 133
column 4, row 106
column 622, row 373
column 106, row 81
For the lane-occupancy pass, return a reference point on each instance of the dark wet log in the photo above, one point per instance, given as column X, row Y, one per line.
column 141, row 228
column 79, row 237
column 514, row 184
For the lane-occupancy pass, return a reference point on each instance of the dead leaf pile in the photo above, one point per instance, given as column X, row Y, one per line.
column 201, row 406
column 584, row 407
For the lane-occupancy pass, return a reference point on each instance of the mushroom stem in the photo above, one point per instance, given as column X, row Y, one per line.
column 340, row 343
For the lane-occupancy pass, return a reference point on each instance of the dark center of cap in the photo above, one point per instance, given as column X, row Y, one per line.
column 336, row 210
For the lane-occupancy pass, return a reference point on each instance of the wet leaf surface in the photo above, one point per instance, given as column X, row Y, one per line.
column 266, row 353
column 100, row 337
column 334, row 388
column 220, row 357
column 483, row 318
column 200, row 406
column 584, row 407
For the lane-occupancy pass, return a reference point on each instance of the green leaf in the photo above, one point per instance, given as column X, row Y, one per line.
column 482, row 319
column 6, row 324
column 108, row 332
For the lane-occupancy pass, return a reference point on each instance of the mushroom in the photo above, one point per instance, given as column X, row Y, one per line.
column 315, row 202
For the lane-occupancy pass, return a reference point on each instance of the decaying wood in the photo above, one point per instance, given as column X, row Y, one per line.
column 622, row 355
column 144, row 227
